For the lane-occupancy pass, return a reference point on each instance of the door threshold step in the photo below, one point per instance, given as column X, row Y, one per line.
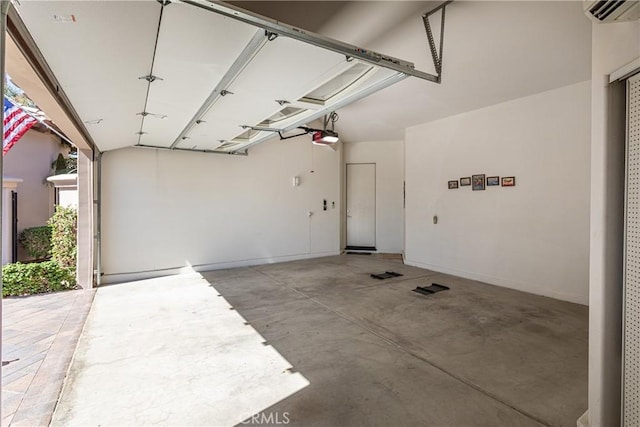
column 361, row 248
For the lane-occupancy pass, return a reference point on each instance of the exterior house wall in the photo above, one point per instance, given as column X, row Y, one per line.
column 30, row 159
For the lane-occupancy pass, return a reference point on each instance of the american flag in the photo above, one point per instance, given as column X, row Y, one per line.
column 16, row 123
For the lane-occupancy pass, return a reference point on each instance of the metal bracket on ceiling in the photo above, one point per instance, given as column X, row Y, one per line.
column 225, row 92
column 330, row 119
column 164, row 2
column 436, row 54
column 271, row 36
column 150, row 78
column 157, row 116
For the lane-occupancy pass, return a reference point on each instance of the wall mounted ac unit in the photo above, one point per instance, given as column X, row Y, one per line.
column 612, row 10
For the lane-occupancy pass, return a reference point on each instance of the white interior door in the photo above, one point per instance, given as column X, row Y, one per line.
column 361, row 205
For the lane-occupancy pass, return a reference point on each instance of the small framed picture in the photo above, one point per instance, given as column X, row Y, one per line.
column 508, row 181
column 465, row 181
column 477, row 182
column 453, row 184
column 493, row 180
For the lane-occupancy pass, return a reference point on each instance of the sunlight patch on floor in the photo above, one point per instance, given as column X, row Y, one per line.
column 171, row 351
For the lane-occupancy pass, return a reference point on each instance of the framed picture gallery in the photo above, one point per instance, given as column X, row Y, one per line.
column 477, row 182
column 481, row 181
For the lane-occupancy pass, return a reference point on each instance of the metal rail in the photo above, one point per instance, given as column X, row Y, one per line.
column 347, row 100
column 98, row 206
column 156, row 147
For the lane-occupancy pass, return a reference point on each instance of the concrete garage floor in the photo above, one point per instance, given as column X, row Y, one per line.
column 340, row 348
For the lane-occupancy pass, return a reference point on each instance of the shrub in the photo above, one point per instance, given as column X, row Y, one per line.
column 64, row 224
column 36, row 278
column 36, row 241
column 64, row 165
column 49, row 276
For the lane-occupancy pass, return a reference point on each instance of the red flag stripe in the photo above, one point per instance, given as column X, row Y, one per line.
column 15, row 124
column 12, row 114
column 12, row 125
column 17, row 137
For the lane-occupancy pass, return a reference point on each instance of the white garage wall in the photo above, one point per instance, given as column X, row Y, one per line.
column 166, row 210
column 532, row 237
column 389, row 159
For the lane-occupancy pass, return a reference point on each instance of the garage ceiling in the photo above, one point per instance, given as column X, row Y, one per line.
column 494, row 51
column 196, row 75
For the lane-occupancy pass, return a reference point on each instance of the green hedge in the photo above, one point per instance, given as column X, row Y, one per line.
column 49, row 276
column 36, row 241
column 36, row 278
column 64, row 225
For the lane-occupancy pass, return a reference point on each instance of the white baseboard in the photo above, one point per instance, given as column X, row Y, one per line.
column 150, row 274
column 497, row 281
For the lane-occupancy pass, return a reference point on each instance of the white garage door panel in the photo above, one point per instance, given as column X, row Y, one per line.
column 195, row 50
column 87, row 56
column 100, row 52
column 284, row 69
